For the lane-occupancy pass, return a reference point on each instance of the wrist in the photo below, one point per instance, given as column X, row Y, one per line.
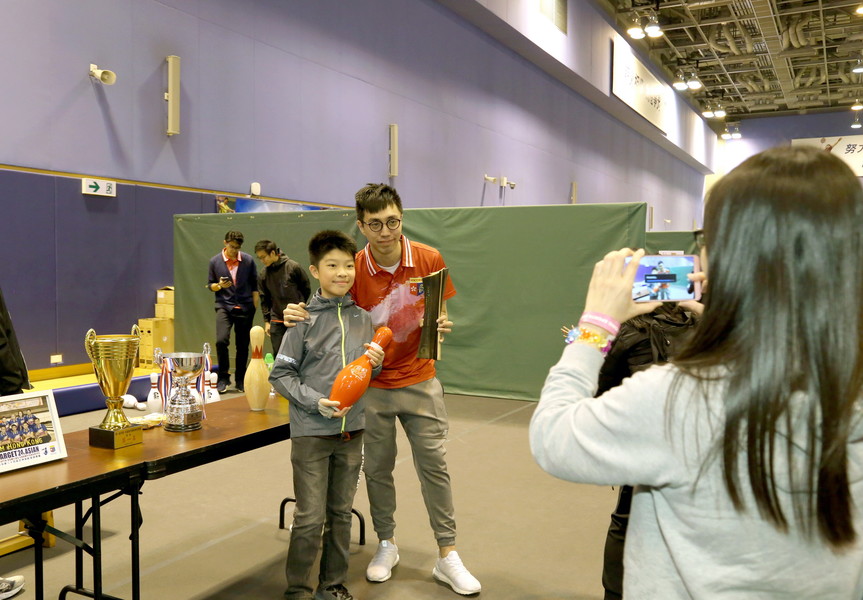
column 609, row 325
column 589, row 335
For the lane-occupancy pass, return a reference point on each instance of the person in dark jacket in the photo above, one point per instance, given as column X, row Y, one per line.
column 13, row 380
column 643, row 341
column 281, row 282
column 13, row 369
column 234, row 279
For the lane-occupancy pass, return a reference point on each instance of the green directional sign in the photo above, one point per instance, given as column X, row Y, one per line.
column 98, row 187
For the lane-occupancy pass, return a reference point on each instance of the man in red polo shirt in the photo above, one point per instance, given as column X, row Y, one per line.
column 388, row 284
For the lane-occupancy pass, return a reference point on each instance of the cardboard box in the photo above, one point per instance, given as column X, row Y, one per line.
column 164, row 311
column 157, row 333
column 165, row 295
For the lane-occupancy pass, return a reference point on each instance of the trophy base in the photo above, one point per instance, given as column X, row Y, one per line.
column 175, row 427
column 185, row 417
column 114, row 439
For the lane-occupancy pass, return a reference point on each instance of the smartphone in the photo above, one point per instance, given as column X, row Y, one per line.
column 662, row 278
column 225, row 279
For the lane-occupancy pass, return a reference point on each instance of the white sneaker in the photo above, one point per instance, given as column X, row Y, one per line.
column 452, row 572
column 385, row 558
column 9, row 586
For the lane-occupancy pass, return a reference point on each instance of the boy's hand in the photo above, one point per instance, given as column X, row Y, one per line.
column 294, row 313
column 375, row 354
column 328, row 408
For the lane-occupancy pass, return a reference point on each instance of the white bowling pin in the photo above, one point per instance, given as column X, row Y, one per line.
column 213, row 393
column 154, row 398
column 257, row 380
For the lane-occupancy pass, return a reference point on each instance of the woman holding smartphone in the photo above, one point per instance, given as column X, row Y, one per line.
column 746, row 452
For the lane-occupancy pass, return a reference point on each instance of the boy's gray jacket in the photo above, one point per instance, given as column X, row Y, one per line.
column 311, row 356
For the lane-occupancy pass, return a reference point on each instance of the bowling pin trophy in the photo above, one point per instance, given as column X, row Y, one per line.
column 353, row 380
column 114, row 358
column 256, row 383
column 183, row 410
column 433, row 291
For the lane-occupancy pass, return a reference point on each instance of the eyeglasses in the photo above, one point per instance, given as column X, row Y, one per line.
column 376, row 226
column 698, row 234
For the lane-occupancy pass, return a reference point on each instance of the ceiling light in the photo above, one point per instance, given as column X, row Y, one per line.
column 652, row 28
column 858, row 67
column 635, row 30
column 679, row 83
column 693, row 83
column 719, row 113
column 708, row 113
column 857, row 105
column 859, row 10
column 856, row 123
column 725, row 135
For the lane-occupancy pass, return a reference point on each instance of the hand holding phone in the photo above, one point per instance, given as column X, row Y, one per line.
column 662, row 278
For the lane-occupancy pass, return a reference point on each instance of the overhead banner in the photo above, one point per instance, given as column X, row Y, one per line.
column 848, row 148
column 634, row 84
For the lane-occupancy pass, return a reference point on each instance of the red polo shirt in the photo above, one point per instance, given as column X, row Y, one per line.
column 396, row 300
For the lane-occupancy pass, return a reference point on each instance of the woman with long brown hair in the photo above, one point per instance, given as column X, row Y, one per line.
column 746, row 451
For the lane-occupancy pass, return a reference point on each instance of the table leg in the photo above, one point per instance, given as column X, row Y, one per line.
column 135, row 538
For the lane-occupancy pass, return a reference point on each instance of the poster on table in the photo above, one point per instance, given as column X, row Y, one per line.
column 29, row 430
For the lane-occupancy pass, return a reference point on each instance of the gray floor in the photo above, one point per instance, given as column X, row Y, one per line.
column 212, row 533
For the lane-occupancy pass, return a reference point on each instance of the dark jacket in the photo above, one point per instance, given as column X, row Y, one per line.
column 13, row 370
column 283, row 282
column 239, row 294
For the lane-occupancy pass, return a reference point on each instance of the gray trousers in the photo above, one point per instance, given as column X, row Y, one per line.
column 420, row 410
column 325, row 481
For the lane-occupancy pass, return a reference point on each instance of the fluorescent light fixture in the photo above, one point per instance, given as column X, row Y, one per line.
column 635, row 31
column 652, row 28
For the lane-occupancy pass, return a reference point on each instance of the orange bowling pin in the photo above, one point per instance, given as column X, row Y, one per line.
column 257, row 380
column 353, row 380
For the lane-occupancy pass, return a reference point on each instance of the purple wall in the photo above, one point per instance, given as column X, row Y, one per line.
column 294, row 94
column 766, row 132
column 298, row 96
column 83, row 261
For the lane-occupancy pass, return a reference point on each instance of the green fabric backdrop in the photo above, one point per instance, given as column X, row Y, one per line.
column 520, row 273
column 656, row 241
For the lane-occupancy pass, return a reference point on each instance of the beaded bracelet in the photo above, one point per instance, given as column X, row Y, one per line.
column 611, row 325
column 599, row 341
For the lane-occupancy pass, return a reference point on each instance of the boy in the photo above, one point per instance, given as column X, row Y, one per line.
column 326, row 443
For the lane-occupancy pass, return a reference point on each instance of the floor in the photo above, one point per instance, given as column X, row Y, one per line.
column 211, row 533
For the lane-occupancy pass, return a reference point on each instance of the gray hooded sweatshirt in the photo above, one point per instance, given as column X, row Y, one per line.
column 311, row 356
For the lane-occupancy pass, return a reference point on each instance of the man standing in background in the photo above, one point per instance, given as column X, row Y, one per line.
column 234, row 279
column 282, row 281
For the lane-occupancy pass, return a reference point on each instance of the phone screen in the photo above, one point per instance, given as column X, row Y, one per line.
column 663, row 279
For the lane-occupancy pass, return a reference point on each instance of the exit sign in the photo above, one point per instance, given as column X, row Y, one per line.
column 98, row 187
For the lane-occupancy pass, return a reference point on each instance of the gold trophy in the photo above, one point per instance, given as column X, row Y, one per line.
column 114, row 358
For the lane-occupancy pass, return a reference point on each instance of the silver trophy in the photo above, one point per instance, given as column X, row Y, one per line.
column 183, row 410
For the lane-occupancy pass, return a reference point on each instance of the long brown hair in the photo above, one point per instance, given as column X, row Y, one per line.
column 782, row 324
